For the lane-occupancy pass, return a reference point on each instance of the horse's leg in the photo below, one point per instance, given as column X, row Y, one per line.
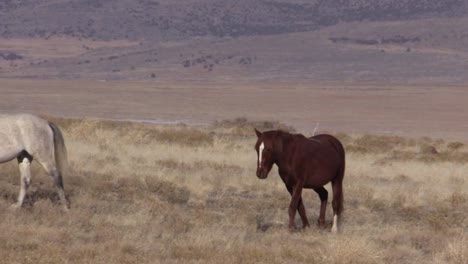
column 323, row 194
column 294, row 205
column 57, row 177
column 301, row 209
column 302, row 213
column 25, row 172
column 337, row 202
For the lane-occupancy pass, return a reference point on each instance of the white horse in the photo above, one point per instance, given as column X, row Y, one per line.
column 27, row 137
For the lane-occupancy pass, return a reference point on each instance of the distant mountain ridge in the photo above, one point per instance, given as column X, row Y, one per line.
column 166, row 19
column 382, row 41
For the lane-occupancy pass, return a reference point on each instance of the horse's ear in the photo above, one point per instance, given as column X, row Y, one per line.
column 259, row 134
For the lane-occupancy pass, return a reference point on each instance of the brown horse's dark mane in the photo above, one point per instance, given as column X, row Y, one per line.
column 290, row 138
column 288, row 135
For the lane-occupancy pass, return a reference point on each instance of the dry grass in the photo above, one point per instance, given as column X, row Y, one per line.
column 177, row 194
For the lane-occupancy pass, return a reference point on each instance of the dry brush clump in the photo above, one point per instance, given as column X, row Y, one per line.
column 397, row 148
column 133, row 132
column 178, row 194
column 244, row 127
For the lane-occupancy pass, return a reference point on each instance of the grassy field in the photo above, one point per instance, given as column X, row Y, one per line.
column 144, row 193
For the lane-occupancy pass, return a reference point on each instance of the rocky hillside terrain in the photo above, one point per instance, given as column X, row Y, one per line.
column 361, row 40
column 150, row 19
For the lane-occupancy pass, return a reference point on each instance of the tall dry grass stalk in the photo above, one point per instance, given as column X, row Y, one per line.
column 145, row 193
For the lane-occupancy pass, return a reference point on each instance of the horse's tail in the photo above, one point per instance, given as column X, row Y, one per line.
column 338, row 181
column 341, row 173
column 60, row 150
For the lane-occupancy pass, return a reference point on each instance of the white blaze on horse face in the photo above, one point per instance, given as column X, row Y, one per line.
column 260, row 152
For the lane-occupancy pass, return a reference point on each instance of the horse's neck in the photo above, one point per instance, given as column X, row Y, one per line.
column 282, row 158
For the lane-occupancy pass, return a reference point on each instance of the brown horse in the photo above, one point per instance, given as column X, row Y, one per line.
column 304, row 163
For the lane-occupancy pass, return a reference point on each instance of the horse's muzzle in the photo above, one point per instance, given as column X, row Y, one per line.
column 262, row 174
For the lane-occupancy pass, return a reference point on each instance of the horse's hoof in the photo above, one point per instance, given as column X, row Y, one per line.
column 334, row 230
column 322, row 226
column 321, row 223
column 15, row 206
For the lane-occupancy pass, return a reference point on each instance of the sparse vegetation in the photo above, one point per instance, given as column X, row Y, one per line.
column 172, row 20
column 178, row 194
column 246, row 61
column 397, row 39
column 10, row 56
column 243, row 127
column 208, row 61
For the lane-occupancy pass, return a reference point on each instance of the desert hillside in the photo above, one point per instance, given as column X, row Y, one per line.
column 165, row 19
column 351, row 41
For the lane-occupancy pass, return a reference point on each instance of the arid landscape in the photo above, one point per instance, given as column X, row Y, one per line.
column 179, row 194
column 405, row 110
column 158, row 101
column 391, row 41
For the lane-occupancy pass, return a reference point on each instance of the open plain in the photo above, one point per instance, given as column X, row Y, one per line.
column 393, row 109
column 152, row 193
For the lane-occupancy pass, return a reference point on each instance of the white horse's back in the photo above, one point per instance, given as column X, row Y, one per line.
column 25, row 132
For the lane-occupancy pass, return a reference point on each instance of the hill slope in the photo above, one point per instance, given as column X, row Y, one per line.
column 148, row 19
column 207, row 40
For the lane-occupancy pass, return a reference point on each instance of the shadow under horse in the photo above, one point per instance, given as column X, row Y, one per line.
column 304, row 163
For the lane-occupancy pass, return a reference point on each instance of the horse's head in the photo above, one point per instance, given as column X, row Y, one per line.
column 267, row 146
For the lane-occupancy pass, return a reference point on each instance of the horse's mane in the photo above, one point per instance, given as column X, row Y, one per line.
column 288, row 134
